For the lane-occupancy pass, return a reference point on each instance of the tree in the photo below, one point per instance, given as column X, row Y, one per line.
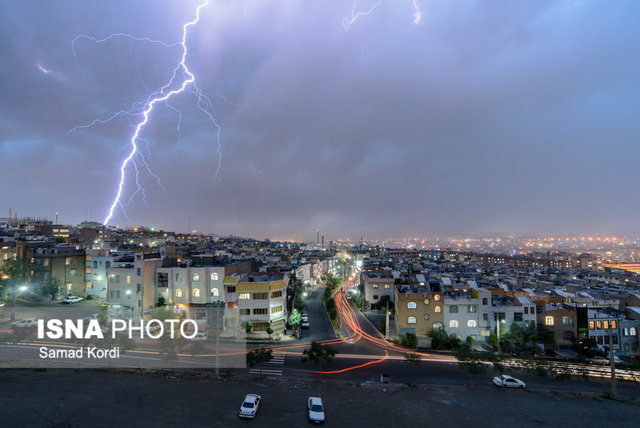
column 318, row 353
column 257, row 356
column 409, row 340
column 295, row 318
column 443, row 341
column 15, row 272
column 248, row 327
column 161, row 302
column 52, row 288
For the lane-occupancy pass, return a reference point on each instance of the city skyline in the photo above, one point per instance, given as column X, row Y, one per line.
column 479, row 120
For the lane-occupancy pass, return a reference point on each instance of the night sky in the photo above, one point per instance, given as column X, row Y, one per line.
column 487, row 117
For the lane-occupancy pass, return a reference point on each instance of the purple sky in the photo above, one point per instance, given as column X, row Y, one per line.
column 487, row 117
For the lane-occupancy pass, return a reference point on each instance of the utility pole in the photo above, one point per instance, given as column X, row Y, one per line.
column 13, row 301
column 611, row 358
column 217, row 339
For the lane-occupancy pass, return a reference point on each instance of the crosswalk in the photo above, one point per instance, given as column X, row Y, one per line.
column 277, row 360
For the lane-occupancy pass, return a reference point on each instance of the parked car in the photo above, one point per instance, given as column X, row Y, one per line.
column 597, row 360
column 316, row 410
column 249, row 406
column 506, row 381
column 27, row 322
column 199, row 337
column 72, row 299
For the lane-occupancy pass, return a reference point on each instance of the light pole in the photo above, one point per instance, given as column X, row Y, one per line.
column 612, row 362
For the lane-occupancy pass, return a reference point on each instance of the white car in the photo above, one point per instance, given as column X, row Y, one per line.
column 199, row 337
column 506, row 381
column 27, row 322
column 316, row 410
column 73, row 299
column 249, row 406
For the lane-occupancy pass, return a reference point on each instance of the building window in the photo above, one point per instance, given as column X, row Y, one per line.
column 139, row 271
column 526, row 310
column 375, row 297
column 260, row 311
column 215, row 292
column 438, row 309
column 625, row 331
column 276, row 294
column 605, row 324
column 128, row 279
column 178, row 277
column 88, row 284
column 436, row 297
column 632, row 331
column 231, row 289
column 89, row 269
column 95, row 265
column 260, row 296
column 568, row 336
column 178, row 292
column 412, row 305
column 196, row 277
column 592, row 325
column 196, row 292
column 472, row 323
column 244, row 296
column 427, row 316
column 517, row 316
column 245, row 311
column 548, row 320
column 276, row 309
column 599, row 325
column 386, row 286
column 437, row 325
column 613, row 324
column 453, row 324
column 426, row 301
column 567, row 320
column 117, row 294
column 485, row 301
column 472, row 309
column 453, row 309
column 214, row 276
column 411, row 320
column 375, row 285
column 68, row 261
column 111, row 294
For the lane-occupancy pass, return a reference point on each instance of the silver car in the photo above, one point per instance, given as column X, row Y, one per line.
column 249, row 406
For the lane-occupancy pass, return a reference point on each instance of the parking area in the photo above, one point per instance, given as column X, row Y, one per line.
column 112, row 398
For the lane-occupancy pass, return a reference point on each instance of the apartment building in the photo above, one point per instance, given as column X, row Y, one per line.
column 258, row 299
column 561, row 320
column 62, row 263
column 377, row 284
column 418, row 308
column 192, row 290
column 507, row 310
column 131, row 290
column 467, row 310
column 97, row 262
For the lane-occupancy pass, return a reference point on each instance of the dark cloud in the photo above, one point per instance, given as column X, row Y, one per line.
column 488, row 117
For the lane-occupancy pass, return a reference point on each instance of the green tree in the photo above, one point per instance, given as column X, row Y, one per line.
column 318, row 353
column 53, row 288
column 257, row 356
column 14, row 273
column 295, row 318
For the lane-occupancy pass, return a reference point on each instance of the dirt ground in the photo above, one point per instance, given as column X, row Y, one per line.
column 68, row 398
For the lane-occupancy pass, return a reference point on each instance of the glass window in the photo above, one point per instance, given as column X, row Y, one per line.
column 566, row 320
column 214, row 276
column 605, row 324
column 485, row 317
column 599, row 325
column 484, row 301
column 196, row 292
column 472, row 323
column 472, row 309
column 517, row 316
column 568, row 336
column 453, row 324
column 438, row 309
column 411, row 320
column 215, row 292
column 375, row 285
column 231, row 289
column 453, row 309
column 613, row 324
column 178, row 292
column 386, row 286
column 632, row 331
column 426, row 301
column 436, row 297
column 412, row 305
column 548, row 320
column 244, row 296
column 196, row 277
column 592, row 325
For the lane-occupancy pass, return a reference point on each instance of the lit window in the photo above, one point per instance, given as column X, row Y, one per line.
column 437, row 325
column 128, row 279
column 438, row 309
column 453, row 324
column 436, row 297
column 412, row 305
column 244, row 296
column 214, row 276
column 632, row 331
column 178, row 292
column 472, row 323
column 592, row 325
column 472, row 309
column 426, row 301
column 548, row 320
column 215, row 292
column 567, row 320
column 613, row 324
column 599, row 325
column 178, row 277
column 411, row 320
column 196, row 277
column 196, row 292
column 375, row 286
column 605, row 325
column 386, row 286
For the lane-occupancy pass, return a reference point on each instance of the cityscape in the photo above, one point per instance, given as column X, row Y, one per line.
column 363, row 212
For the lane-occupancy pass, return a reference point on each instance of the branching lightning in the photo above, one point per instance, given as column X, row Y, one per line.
column 182, row 80
column 347, row 22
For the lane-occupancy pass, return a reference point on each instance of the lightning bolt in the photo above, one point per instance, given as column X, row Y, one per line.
column 182, row 80
column 347, row 22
